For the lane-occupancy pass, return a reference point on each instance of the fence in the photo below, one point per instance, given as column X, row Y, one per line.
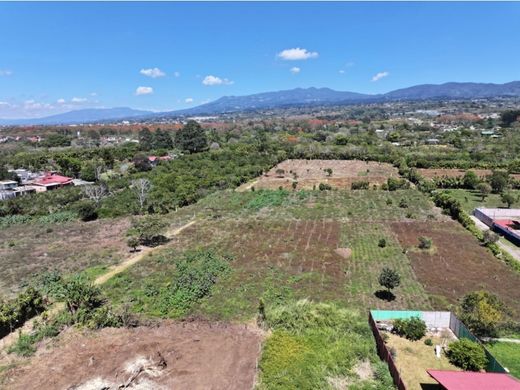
column 433, row 319
column 385, row 354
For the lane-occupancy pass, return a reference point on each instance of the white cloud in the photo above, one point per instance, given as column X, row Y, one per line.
column 188, row 100
column 6, row 72
column 60, row 101
column 295, row 70
column 380, row 75
column 152, row 72
column 143, row 91
column 214, row 80
column 297, row 54
column 93, row 93
column 34, row 105
column 177, row 74
column 5, row 104
column 78, row 100
column 341, row 71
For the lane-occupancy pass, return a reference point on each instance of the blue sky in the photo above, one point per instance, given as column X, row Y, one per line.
column 55, row 57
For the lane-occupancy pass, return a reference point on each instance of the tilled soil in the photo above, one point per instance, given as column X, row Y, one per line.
column 457, row 264
column 189, row 355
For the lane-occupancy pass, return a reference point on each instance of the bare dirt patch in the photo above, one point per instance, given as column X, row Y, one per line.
column 27, row 249
column 193, row 355
column 433, row 173
column 459, row 265
column 310, row 173
column 344, row 252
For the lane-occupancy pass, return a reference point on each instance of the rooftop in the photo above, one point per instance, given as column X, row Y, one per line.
column 466, row 380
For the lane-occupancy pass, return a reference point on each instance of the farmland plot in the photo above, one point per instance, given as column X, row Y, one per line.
column 310, row 173
column 458, row 264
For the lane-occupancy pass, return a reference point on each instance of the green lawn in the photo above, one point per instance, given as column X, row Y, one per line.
column 508, row 354
column 471, row 199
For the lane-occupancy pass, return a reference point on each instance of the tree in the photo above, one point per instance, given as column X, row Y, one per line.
column 484, row 189
column 412, row 328
column 79, row 293
column 328, row 171
column 389, row 279
column 470, row 180
column 133, row 243
column 162, row 140
column 481, row 311
column 149, row 230
column 141, row 188
column 146, row 139
column 95, row 193
column 141, row 162
column 508, row 198
column 191, row 138
column 499, row 180
column 467, row 354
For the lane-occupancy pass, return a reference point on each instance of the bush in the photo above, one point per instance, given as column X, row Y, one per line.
column 482, row 312
column 467, row 355
column 86, row 210
column 381, row 243
column 425, row 242
column 428, row 342
column 389, row 278
column 149, row 230
column 394, row 184
column 413, row 328
column 360, row 185
column 78, row 293
column 13, row 314
column 324, row 187
column 403, row 203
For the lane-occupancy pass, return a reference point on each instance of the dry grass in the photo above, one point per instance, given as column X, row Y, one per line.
column 413, row 358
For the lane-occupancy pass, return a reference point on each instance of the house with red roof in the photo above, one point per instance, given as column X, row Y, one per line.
column 51, row 181
column 467, row 380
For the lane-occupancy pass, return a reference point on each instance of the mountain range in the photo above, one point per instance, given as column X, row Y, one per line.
column 293, row 97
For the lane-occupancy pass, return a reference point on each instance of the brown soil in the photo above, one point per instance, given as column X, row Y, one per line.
column 437, row 173
column 459, row 264
column 311, row 173
column 190, row 356
column 344, row 252
column 69, row 247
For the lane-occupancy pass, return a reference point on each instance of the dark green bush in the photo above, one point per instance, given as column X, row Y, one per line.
column 413, row 328
column 467, row 355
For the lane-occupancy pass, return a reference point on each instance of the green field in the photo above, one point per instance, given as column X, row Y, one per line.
column 508, row 354
column 471, row 199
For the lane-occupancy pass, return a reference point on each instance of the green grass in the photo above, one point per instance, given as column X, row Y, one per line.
column 471, row 199
column 315, row 345
column 508, row 354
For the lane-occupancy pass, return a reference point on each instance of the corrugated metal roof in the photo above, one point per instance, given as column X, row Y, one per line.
column 466, row 380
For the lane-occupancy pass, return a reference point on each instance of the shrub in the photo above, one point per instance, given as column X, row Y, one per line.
column 86, row 210
column 381, row 243
column 359, row 185
column 403, row 203
column 425, row 242
column 389, row 278
column 149, row 230
column 324, row 187
column 394, row 184
column 490, row 237
column 14, row 313
column 482, row 312
column 467, row 355
column 413, row 328
column 428, row 342
column 79, row 293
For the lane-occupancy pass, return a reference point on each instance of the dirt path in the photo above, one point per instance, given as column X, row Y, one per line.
column 55, row 309
column 246, row 186
column 137, row 257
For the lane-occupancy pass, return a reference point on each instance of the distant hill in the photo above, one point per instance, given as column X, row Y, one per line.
column 80, row 116
column 279, row 99
column 455, row 91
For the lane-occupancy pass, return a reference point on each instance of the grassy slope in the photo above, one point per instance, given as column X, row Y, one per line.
column 472, row 199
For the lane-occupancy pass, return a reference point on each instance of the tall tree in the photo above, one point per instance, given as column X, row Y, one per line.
column 145, row 139
column 191, row 138
column 162, row 140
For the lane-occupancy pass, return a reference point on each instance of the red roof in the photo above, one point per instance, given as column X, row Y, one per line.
column 467, row 380
column 53, row 178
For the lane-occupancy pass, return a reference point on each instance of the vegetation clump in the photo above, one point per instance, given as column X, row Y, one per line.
column 467, row 354
column 413, row 328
